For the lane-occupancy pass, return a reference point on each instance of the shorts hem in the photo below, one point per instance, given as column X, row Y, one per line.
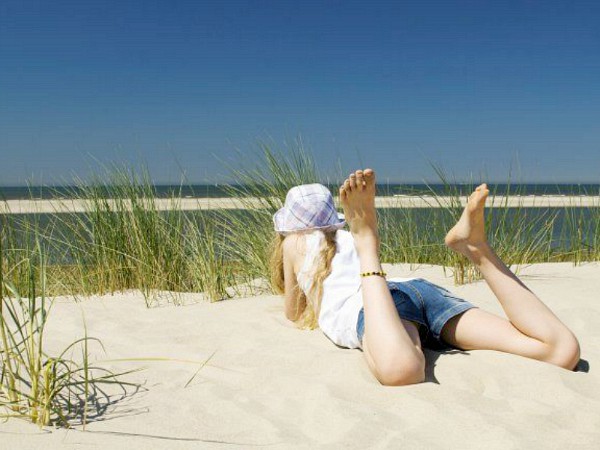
column 438, row 326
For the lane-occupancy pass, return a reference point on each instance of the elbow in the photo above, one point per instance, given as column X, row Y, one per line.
column 293, row 317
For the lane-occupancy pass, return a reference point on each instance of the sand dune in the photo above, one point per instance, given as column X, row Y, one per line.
column 66, row 205
column 269, row 385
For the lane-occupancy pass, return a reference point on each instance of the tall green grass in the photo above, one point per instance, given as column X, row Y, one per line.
column 266, row 176
column 125, row 241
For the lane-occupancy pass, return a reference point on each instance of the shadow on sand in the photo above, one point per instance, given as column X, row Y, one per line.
column 432, row 355
column 105, row 401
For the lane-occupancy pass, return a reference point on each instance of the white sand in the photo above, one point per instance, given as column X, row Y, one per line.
column 186, row 204
column 271, row 386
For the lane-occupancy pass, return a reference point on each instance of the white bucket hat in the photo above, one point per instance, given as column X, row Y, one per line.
column 308, row 207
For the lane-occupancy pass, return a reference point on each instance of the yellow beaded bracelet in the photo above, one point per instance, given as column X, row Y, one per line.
column 368, row 274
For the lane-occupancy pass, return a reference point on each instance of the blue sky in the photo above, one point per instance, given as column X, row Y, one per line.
column 475, row 86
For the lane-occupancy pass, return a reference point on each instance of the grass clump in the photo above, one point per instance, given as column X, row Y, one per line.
column 43, row 389
column 260, row 189
column 125, row 240
column 518, row 234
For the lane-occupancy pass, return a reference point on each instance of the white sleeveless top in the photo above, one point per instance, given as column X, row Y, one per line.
column 342, row 295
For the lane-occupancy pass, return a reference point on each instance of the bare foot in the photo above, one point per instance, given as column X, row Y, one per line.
column 357, row 196
column 468, row 234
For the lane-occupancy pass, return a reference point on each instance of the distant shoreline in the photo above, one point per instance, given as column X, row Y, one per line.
column 400, row 201
column 218, row 191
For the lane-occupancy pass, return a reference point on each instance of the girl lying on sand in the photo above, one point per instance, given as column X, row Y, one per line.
column 334, row 278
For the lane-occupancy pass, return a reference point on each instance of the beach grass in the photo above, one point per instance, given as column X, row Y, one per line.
column 43, row 389
column 124, row 242
column 128, row 242
column 268, row 178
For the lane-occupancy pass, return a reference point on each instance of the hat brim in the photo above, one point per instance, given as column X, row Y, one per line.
column 331, row 227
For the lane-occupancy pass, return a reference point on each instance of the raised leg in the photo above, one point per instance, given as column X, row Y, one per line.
column 532, row 329
column 391, row 345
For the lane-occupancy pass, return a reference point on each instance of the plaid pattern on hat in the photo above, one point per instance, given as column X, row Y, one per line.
column 308, row 207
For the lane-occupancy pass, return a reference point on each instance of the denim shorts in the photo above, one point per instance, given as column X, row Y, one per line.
column 425, row 303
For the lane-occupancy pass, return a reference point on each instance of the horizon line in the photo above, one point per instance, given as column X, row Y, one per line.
column 421, row 182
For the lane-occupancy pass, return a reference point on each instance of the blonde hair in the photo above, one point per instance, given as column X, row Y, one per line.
column 310, row 317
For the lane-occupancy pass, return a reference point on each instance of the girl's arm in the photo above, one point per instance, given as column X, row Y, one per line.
column 295, row 301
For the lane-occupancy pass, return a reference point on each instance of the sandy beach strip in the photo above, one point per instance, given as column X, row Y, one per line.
column 190, row 204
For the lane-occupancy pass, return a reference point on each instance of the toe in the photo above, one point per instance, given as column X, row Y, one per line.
column 353, row 180
column 359, row 179
column 347, row 186
column 369, row 175
column 342, row 193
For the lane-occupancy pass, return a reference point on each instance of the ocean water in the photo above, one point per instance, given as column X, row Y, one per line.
column 529, row 223
column 223, row 190
column 421, row 216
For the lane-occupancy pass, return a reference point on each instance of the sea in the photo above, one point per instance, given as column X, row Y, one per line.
column 224, row 190
column 586, row 217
